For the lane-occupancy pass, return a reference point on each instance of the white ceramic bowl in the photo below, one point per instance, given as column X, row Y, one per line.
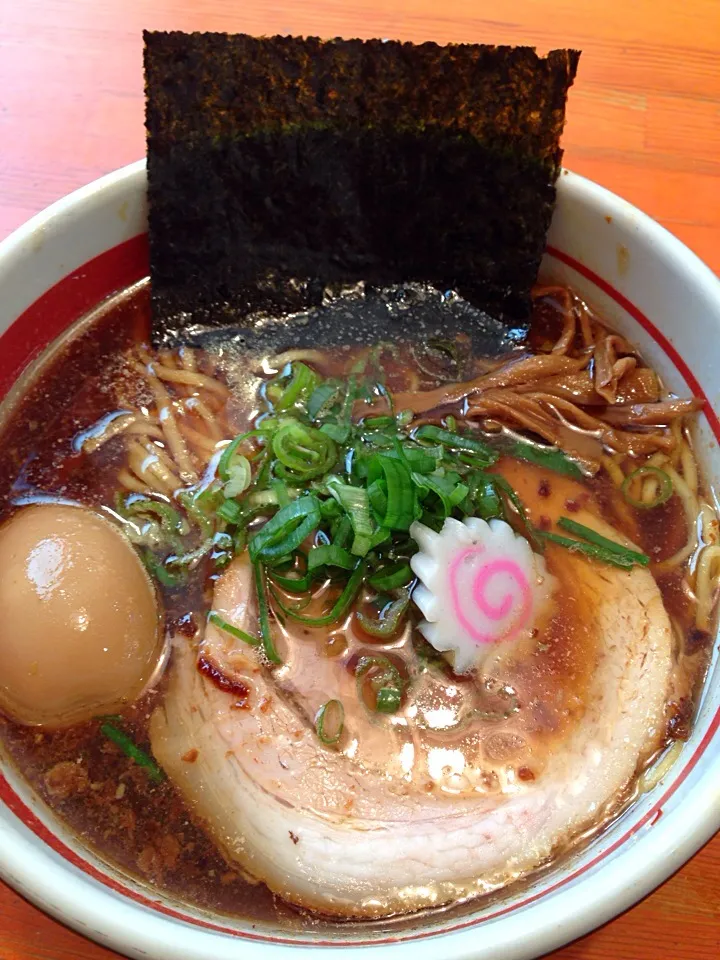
column 661, row 296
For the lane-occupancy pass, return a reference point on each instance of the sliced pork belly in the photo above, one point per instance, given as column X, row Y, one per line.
column 475, row 782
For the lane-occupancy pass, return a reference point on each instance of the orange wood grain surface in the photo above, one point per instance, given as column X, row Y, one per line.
column 644, row 120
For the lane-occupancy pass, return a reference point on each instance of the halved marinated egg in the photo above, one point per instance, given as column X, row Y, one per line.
column 80, row 625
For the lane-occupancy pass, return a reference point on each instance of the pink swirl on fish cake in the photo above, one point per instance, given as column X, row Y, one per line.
column 481, row 587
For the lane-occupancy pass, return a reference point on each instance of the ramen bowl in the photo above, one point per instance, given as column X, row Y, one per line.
column 652, row 289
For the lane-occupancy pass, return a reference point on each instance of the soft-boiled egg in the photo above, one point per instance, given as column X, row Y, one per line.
column 80, row 625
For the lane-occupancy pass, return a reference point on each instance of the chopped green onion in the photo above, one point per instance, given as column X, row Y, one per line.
column 236, row 632
column 379, row 422
column 294, row 584
column 331, row 510
column 549, row 457
column 286, row 530
column 171, row 523
column 342, row 529
column 250, row 514
column 384, row 392
column 664, row 491
column 190, row 557
column 380, row 536
column 240, row 476
column 589, row 549
column 381, row 675
column 379, row 439
column 392, row 576
column 350, row 396
column 264, row 614
column 329, row 722
column 229, row 454
column 303, row 452
column 449, row 493
column 458, row 494
column 303, row 382
column 476, row 462
column 339, row 608
column 457, row 442
column 404, row 418
column 401, row 497
column 161, row 573
column 264, row 474
column 339, row 432
column 419, row 459
column 488, row 501
column 451, row 424
column 533, row 535
column 355, row 501
column 195, row 503
column 388, row 700
column 378, row 498
column 330, row 555
column 388, row 623
column 587, row 533
column 321, row 398
column 230, row 511
column 133, row 751
column 263, row 498
column 282, row 495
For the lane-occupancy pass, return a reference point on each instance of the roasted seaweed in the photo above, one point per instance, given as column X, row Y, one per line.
column 282, row 170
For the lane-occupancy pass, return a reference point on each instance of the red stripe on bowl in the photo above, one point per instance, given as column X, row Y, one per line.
column 70, row 298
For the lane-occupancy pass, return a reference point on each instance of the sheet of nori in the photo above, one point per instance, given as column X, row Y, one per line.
column 280, row 166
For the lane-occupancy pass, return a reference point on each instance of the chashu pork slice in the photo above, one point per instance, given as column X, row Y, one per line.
column 445, row 800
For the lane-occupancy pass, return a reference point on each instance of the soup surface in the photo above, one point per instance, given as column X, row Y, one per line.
column 315, row 667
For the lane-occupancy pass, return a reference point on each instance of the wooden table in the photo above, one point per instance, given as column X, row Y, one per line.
column 644, row 121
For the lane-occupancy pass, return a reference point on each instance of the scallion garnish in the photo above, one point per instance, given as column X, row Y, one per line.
column 157, row 568
column 401, row 507
column 330, row 555
column 230, row 453
column 286, row 530
column 321, row 398
column 592, row 536
column 457, row 441
column 339, row 432
column 329, row 722
column 338, row 609
column 487, row 500
column 662, row 494
column 448, row 491
column 133, row 751
column 264, row 614
column 390, row 619
column 404, row 418
column 171, row 523
column 533, row 535
column 590, row 550
column 298, row 583
column 355, row 501
column 388, row 699
column 341, row 530
column 383, row 679
column 230, row 511
column 302, row 383
column 303, row 452
column 418, row 459
column 391, row 576
column 549, row 457
column 236, row 632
